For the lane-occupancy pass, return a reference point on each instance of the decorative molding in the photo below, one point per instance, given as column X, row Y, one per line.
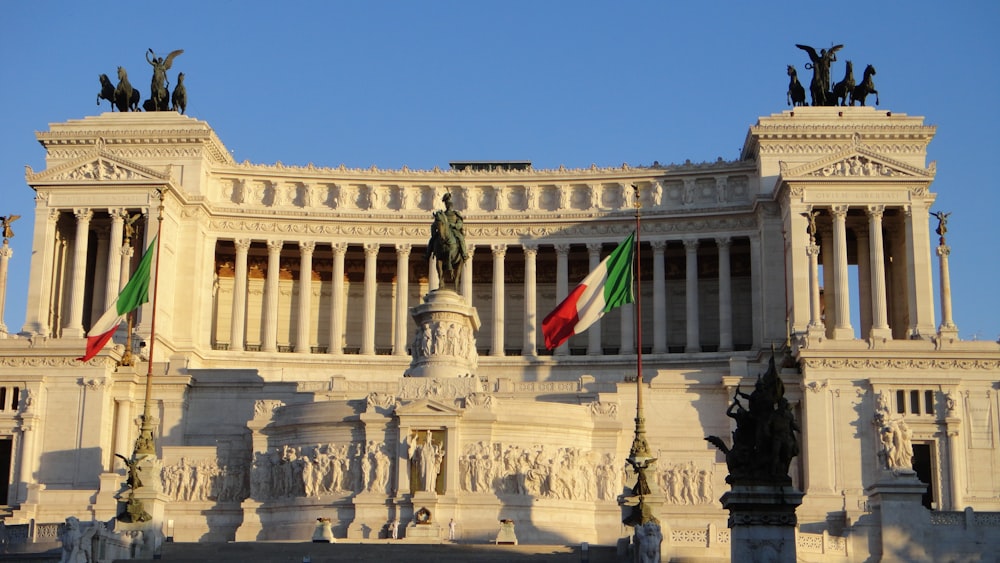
column 900, row 363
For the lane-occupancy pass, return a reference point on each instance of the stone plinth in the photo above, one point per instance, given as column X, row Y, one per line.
column 371, row 514
column 445, row 342
column 762, row 520
column 896, row 501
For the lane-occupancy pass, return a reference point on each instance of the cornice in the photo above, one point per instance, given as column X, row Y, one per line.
column 964, row 364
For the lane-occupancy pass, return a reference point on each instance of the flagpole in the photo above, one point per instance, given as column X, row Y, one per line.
column 146, row 444
column 639, row 456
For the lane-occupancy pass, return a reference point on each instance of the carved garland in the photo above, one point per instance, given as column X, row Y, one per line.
column 914, row 363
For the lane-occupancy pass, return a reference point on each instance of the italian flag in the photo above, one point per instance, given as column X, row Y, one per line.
column 607, row 287
column 134, row 294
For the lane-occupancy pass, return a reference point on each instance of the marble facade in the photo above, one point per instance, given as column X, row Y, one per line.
column 284, row 332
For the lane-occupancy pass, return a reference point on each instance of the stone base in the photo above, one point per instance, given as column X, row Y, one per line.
column 762, row 520
column 372, row 513
column 896, row 501
column 431, row 531
column 445, row 343
column 146, row 538
column 251, row 528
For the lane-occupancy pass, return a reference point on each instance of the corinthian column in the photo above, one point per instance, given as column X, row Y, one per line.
column 725, row 296
column 237, row 327
column 271, row 283
column 594, row 346
column 691, row 297
column 880, row 324
column 530, row 347
column 338, row 299
column 302, row 333
column 114, row 255
column 402, row 298
column 947, row 324
column 371, row 292
column 74, row 326
column 499, row 252
column 659, row 297
column 562, row 286
column 842, row 330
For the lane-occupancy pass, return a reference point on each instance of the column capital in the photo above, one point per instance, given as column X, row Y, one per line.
column 659, row 246
column 118, row 213
column 371, row 248
column 54, row 215
column 530, row 248
column 499, row 250
column 242, row 244
column 594, row 247
column 690, row 244
column 943, row 250
column 470, row 249
column 6, row 252
column 83, row 214
column 562, row 248
column 306, row 246
column 339, row 248
column 812, row 250
column 875, row 211
column 839, row 212
column 274, row 245
column 403, row 248
column 723, row 242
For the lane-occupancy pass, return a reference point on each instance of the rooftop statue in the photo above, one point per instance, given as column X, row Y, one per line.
column 819, row 88
column 159, row 98
column 7, row 220
column 447, row 243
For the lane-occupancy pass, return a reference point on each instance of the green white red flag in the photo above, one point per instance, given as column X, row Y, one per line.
column 607, row 287
column 134, row 294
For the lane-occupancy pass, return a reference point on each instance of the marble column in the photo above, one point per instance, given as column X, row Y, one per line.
column 693, row 344
column 880, row 316
column 432, row 274
column 111, row 290
column 123, row 427
column 842, row 329
column 5, row 254
column 829, row 303
column 303, row 335
column 271, row 291
column 467, row 275
column 956, row 463
column 562, row 286
column 816, row 326
column 947, row 324
column 627, row 328
column 74, row 325
column 659, row 297
column 594, row 345
column 725, row 296
column 338, row 299
column 499, row 252
column 530, row 347
column 237, row 327
column 127, row 251
column 402, row 298
column 865, row 281
column 371, row 292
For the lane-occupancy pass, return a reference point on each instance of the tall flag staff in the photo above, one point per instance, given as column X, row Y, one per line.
column 145, row 443
column 639, row 457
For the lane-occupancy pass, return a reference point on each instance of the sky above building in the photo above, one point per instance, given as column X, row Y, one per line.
column 569, row 83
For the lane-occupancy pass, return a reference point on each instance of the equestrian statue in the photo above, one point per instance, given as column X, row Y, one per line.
column 447, row 243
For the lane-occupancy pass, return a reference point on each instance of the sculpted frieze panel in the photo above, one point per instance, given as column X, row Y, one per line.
column 905, row 363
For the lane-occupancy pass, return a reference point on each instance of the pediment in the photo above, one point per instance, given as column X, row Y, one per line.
column 99, row 167
column 857, row 162
column 427, row 407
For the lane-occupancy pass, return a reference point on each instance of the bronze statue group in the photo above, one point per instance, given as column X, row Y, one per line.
column 124, row 97
column 844, row 93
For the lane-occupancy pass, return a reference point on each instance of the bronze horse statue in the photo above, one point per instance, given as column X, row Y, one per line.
column 126, row 97
column 107, row 91
column 796, row 95
column 867, row 86
column 843, row 90
column 444, row 246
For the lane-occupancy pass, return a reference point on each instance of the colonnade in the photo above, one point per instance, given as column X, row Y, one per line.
column 363, row 326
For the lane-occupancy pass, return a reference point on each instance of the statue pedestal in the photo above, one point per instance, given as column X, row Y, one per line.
column 445, row 343
column 762, row 520
column 251, row 529
column 426, row 517
column 896, row 503
column 371, row 514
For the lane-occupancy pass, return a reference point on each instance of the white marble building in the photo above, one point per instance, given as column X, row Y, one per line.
column 283, row 331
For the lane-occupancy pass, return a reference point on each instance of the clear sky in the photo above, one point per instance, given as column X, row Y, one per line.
column 554, row 82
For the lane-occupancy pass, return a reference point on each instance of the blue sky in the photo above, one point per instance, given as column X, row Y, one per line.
column 553, row 82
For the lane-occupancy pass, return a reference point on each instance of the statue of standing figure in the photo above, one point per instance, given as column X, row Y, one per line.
column 426, row 460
